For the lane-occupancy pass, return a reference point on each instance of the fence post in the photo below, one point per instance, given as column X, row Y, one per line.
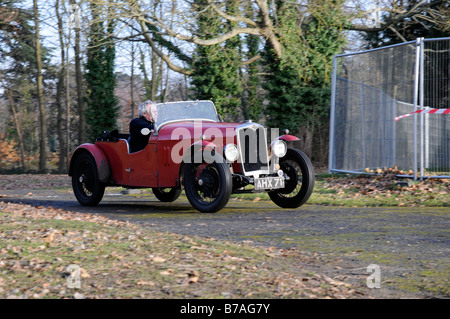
column 332, row 117
column 421, row 106
column 415, row 103
column 363, row 127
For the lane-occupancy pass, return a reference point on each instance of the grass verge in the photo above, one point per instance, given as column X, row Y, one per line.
column 51, row 253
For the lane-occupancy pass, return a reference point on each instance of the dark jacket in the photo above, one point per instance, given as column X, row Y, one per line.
column 137, row 140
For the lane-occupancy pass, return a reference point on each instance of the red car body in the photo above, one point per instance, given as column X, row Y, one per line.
column 162, row 163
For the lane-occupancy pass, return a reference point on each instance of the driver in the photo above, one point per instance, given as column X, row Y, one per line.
column 141, row 127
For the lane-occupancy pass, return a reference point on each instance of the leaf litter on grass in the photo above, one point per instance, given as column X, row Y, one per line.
column 117, row 259
column 384, row 188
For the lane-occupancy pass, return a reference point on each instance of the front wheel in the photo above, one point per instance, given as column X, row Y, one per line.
column 208, row 185
column 300, row 183
column 85, row 183
column 166, row 194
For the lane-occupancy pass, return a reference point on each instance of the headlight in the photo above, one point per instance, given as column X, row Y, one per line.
column 231, row 152
column 279, row 148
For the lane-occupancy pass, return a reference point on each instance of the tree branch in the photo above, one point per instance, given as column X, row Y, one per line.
column 195, row 39
column 163, row 56
column 255, row 58
column 230, row 17
column 268, row 31
column 417, row 9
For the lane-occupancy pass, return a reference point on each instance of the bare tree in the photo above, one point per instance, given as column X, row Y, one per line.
column 436, row 11
column 82, row 137
column 59, row 93
column 40, row 93
column 152, row 26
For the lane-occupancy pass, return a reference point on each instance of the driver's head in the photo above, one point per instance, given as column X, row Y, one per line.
column 148, row 110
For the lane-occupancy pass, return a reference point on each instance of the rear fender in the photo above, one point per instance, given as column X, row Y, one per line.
column 99, row 157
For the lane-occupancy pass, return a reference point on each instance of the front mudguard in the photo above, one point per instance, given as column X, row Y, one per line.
column 288, row 138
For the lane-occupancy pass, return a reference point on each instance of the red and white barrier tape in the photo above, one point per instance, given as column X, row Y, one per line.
column 430, row 111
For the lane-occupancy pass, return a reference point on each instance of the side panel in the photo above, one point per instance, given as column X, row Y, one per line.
column 143, row 167
column 168, row 170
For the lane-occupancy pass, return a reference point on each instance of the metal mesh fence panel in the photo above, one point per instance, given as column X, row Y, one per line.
column 435, row 89
column 372, row 88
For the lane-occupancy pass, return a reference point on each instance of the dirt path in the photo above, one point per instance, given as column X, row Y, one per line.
column 411, row 246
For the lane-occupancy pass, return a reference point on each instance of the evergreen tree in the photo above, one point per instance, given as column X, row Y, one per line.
column 298, row 85
column 102, row 105
column 18, row 77
column 215, row 67
column 252, row 99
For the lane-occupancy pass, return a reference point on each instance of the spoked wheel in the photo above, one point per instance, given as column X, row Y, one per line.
column 300, row 183
column 85, row 183
column 208, row 185
column 166, row 194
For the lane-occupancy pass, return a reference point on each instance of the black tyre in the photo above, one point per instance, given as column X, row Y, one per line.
column 208, row 185
column 166, row 194
column 85, row 183
column 298, row 188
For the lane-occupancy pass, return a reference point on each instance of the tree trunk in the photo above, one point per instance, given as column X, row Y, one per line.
column 18, row 129
column 59, row 92
column 82, row 136
column 154, row 76
column 40, row 93
column 306, row 138
column 133, row 52
column 68, row 107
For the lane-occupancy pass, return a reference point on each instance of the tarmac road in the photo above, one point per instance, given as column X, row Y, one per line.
column 411, row 246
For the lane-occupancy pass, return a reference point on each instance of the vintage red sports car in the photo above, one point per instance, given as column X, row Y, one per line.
column 191, row 148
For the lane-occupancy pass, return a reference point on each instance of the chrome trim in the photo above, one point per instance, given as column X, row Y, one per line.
column 183, row 120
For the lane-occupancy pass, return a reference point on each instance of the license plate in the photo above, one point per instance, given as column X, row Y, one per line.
column 269, row 183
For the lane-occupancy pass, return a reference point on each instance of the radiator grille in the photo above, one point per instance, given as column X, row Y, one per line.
column 253, row 147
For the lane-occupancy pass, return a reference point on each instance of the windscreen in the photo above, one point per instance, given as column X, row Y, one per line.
column 175, row 111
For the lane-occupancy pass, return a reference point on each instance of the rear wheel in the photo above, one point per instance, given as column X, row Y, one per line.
column 85, row 183
column 166, row 194
column 208, row 185
column 298, row 188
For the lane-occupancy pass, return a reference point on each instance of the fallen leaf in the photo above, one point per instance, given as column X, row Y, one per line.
column 158, row 259
column 192, row 277
column 166, row 272
column 84, row 273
